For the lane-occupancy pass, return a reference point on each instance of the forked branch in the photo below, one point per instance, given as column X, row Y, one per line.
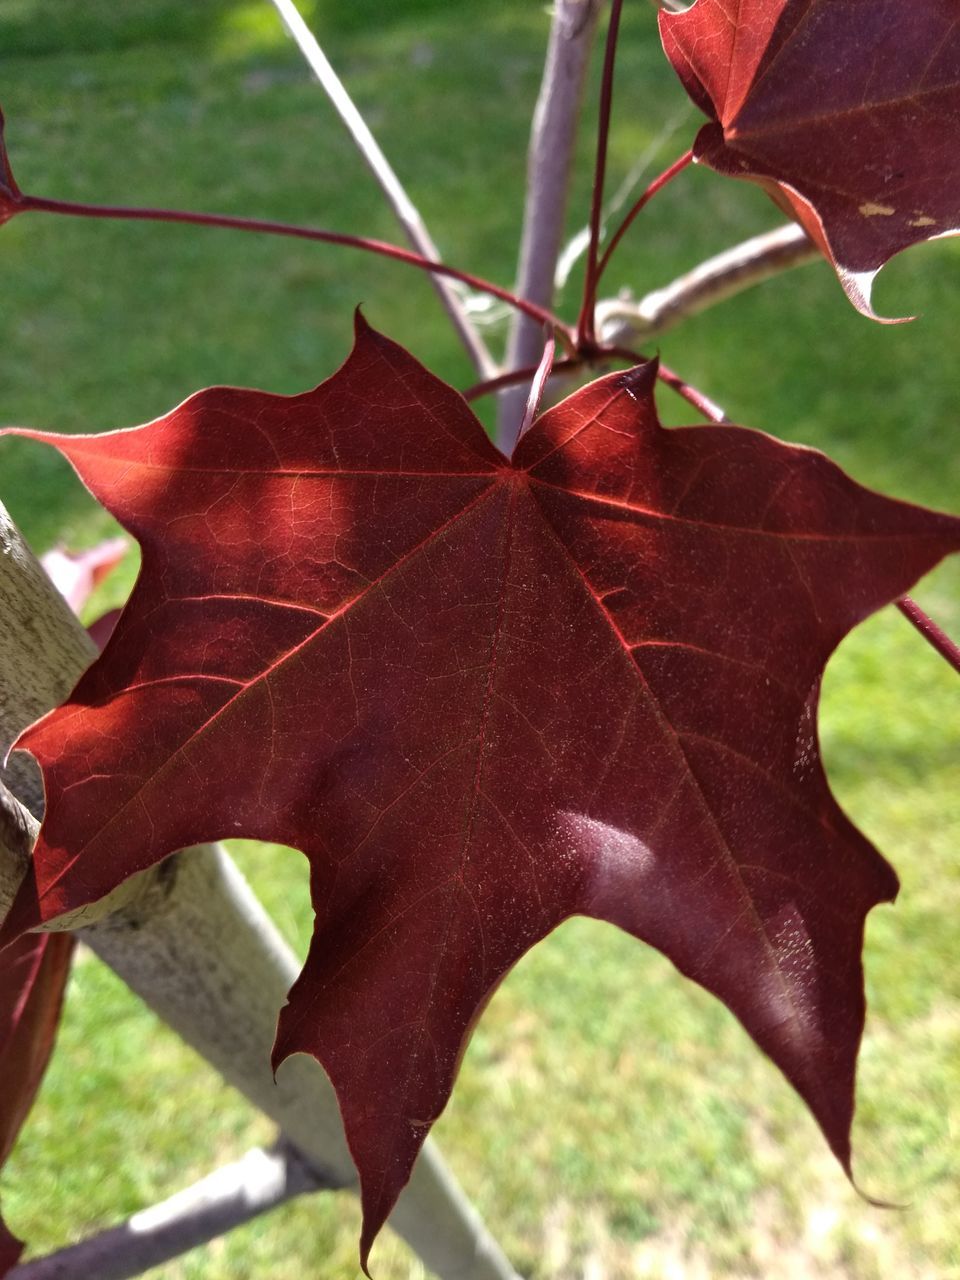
column 231, row 1196
column 715, row 280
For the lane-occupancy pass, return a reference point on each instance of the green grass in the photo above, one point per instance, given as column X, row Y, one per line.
column 607, row 1110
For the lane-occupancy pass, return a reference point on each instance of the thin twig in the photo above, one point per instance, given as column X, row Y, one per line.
column 403, row 207
column 549, row 162
column 703, row 404
column 516, row 377
column 712, row 281
column 269, row 227
column 577, row 245
column 936, row 637
column 585, row 325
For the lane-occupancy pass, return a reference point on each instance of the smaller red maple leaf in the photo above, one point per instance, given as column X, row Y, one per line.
column 846, row 113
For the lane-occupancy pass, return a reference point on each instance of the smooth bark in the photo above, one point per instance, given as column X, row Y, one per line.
column 625, row 322
column 227, row 1198
column 549, row 160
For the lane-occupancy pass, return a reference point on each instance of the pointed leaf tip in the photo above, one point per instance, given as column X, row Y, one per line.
column 640, row 379
column 858, row 286
column 360, row 322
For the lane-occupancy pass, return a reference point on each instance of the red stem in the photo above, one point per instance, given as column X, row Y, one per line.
column 489, row 385
column 938, row 639
column 703, row 404
column 656, row 185
column 563, row 331
column 585, row 330
column 385, row 250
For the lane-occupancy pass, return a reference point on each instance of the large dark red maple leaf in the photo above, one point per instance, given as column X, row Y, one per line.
column 846, row 111
column 483, row 696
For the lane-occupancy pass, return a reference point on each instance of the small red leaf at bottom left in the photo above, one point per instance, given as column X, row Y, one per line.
column 75, row 574
column 33, row 975
column 10, row 1250
column 11, row 201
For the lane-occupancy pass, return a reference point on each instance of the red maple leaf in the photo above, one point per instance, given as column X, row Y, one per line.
column 33, row 975
column 846, row 112
column 10, row 1250
column 483, row 696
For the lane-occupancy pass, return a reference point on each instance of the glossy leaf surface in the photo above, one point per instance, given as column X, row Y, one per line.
column 483, row 696
column 33, row 975
column 847, row 112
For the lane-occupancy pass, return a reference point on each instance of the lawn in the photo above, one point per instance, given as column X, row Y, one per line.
column 610, row 1119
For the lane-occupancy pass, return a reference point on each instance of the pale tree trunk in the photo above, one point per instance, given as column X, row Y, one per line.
column 552, row 139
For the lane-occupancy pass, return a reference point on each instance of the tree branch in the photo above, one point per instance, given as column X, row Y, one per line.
column 229, row 1197
column 403, row 207
column 549, row 161
column 18, row 834
column 43, row 651
column 713, row 281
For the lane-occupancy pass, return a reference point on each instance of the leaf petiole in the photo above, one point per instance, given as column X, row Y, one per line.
column 515, row 376
column 656, row 185
column 585, row 327
column 934, row 635
column 267, row 226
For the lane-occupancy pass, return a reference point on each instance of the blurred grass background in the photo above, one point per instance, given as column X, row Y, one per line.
column 610, row 1120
